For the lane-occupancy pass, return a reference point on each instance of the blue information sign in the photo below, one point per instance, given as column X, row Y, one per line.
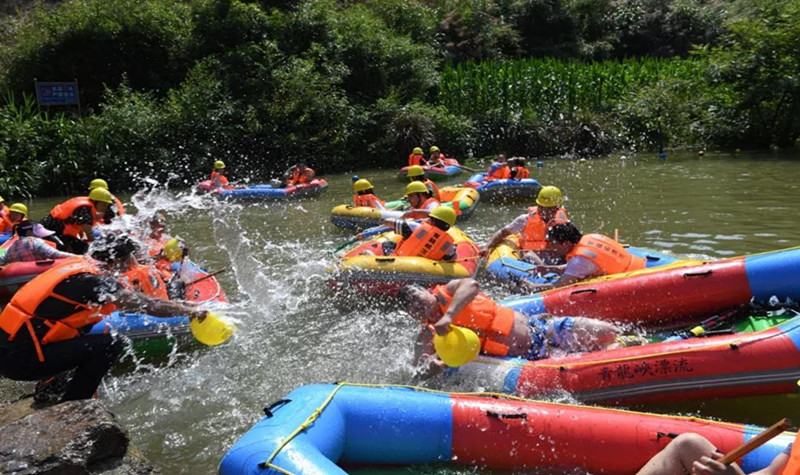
column 57, row 93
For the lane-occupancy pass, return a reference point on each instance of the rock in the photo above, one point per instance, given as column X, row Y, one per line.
column 72, row 437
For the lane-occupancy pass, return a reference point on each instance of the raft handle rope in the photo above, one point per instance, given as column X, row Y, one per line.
column 275, row 405
column 318, row 411
column 661, row 435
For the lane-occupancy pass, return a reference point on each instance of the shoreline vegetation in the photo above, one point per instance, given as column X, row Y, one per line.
column 169, row 86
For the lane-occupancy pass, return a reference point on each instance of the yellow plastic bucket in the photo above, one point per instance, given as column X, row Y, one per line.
column 212, row 330
column 459, row 346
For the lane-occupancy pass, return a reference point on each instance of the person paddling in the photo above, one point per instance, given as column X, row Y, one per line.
column 75, row 219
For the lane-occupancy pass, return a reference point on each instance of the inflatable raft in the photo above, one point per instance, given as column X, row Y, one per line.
column 450, row 169
column 5, row 237
column 675, row 294
column 464, row 200
column 16, row 274
column 379, row 274
column 267, row 192
column 761, row 357
column 318, row 429
column 503, row 189
column 505, row 265
column 152, row 336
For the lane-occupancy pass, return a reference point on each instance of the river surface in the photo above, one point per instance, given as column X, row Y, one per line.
column 186, row 413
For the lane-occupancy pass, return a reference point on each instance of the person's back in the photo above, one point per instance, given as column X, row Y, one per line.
column 430, row 238
column 416, row 158
column 365, row 195
column 498, row 170
column 607, row 255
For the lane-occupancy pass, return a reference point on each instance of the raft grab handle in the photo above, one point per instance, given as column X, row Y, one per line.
column 583, row 291
column 498, row 415
column 275, row 405
column 699, row 274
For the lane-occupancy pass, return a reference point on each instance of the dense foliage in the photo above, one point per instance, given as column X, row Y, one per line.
column 168, row 86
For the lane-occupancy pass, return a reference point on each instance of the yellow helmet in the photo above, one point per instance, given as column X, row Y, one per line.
column 362, row 185
column 416, row 187
column 415, row 170
column 19, row 208
column 100, row 194
column 1, row 199
column 444, row 213
column 219, row 165
column 549, row 196
column 98, row 183
column 417, row 151
column 174, row 250
column 433, row 149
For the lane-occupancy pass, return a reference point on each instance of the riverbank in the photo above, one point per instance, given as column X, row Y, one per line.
column 72, row 437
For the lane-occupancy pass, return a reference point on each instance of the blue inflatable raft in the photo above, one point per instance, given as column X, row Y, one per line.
column 503, row 189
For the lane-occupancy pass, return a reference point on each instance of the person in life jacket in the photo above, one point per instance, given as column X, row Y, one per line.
column 299, row 174
column 417, row 158
column 428, row 238
column 116, row 208
column 499, row 170
column 436, row 157
column 44, row 328
column 365, row 195
column 28, row 245
column 502, row 331
column 692, row 453
column 532, row 228
column 420, row 201
column 417, row 173
column 218, row 177
column 588, row 255
column 75, row 219
column 15, row 214
column 517, row 168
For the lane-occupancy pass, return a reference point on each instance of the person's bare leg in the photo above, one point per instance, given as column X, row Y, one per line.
column 590, row 334
column 678, row 456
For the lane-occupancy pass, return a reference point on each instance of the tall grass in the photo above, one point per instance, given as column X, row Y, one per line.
column 552, row 89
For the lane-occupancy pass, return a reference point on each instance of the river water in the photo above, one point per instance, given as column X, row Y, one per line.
column 185, row 414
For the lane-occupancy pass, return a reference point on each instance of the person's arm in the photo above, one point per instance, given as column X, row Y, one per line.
column 463, row 291
column 577, row 269
column 495, row 241
column 47, row 252
column 137, row 302
column 426, row 362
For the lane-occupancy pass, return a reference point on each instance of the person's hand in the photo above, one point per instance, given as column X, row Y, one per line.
column 442, row 327
column 483, row 252
column 198, row 314
column 710, row 466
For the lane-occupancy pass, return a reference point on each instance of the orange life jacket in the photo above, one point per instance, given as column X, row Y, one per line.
column 20, row 311
column 120, row 207
column 502, row 172
column 793, row 465
column 533, row 235
column 155, row 245
column 147, row 280
column 415, row 159
column 521, row 172
column 6, row 226
column 484, row 316
column 426, row 241
column 366, row 200
column 607, row 254
column 64, row 211
column 433, row 189
column 298, row 177
column 219, row 180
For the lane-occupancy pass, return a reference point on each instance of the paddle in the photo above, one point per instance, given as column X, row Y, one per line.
column 207, row 276
column 755, row 442
column 212, row 330
column 471, row 170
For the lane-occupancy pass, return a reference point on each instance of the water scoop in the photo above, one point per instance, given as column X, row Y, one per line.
column 212, row 330
column 459, row 346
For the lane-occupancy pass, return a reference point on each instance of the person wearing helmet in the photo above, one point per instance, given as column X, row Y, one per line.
column 43, row 330
column 218, row 177
column 28, row 245
column 499, row 170
column 75, row 219
column 116, row 208
column 428, row 238
column 299, row 174
column 419, row 200
column 587, row 256
column 518, row 170
column 502, row 331
column 417, row 158
column 436, row 157
column 16, row 213
column 417, row 173
column 365, row 195
column 532, row 228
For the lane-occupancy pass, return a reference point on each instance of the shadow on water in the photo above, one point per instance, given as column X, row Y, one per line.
column 186, row 413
